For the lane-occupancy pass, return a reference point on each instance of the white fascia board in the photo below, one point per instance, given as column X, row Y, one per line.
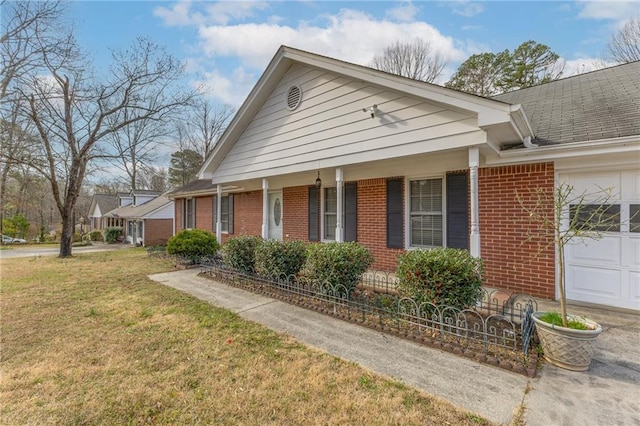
column 447, row 143
column 575, row 149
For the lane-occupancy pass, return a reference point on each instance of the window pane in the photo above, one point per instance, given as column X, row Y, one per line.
column 634, row 218
column 190, row 212
column 426, row 213
column 331, row 200
column 330, row 213
column 224, row 214
column 595, row 217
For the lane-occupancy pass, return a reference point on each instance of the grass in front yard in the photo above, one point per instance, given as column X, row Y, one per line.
column 91, row 340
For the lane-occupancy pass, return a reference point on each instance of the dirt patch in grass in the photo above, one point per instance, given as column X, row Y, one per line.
column 90, row 340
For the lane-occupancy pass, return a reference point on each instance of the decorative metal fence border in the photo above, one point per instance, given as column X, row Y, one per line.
column 495, row 331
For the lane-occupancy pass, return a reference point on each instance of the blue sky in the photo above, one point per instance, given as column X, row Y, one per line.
column 228, row 44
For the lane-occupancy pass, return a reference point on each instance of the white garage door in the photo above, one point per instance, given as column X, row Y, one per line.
column 607, row 271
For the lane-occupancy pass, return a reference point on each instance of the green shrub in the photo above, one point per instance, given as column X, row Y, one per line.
column 338, row 263
column 111, row 234
column 95, row 236
column 193, row 244
column 280, row 258
column 443, row 276
column 240, row 252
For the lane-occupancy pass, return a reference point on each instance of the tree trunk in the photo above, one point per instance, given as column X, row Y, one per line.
column 66, row 237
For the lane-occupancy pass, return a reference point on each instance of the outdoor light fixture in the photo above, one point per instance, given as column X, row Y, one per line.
column 372, row 110
column 318, row 180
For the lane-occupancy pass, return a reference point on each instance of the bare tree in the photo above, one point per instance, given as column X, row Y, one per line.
column 23, row 22
column 75, row 112
column 415, row 60
column 153, row 178
column 135, row 146
column 624, row 45
column 205, row 125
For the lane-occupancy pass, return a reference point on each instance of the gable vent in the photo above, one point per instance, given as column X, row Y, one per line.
column 294, row 96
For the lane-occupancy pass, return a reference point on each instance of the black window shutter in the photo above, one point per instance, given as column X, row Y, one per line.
column 351, row 211
column 184, row 213
column 230, row 213
column 314, row 211
column 458, row 211
column 394, row 213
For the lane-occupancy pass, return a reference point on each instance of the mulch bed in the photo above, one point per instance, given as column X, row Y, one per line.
column 378, row 319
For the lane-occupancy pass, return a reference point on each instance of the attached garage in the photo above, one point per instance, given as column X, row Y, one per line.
column 607, row 271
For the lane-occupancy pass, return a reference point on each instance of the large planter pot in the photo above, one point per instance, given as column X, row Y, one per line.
column 565, row 347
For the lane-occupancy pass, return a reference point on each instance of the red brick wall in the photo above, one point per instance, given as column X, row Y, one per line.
column 157, row 231
column 295, row 219
column 372, row 223
column 247, row 214
column 204, row 214
column 510, row 260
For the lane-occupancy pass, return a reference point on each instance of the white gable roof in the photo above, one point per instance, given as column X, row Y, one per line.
column 248, row 150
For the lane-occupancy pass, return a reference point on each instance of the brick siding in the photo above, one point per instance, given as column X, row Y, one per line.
column 247, row 214
column 157, row 231
column 372, row 223
column 511, row 261
column 295, row 219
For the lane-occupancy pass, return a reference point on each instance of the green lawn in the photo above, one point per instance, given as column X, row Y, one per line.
column 91, row 340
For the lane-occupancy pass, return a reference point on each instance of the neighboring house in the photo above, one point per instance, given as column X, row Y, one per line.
column 101, row 204
column 324, row 150
column 147, row 218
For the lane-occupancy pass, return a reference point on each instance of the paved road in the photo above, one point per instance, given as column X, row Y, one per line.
column 53, row 250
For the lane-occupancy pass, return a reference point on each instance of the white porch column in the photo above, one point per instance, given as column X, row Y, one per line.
column 265, row 209
column 219, row 213
column 474, row 161
column 339, row 206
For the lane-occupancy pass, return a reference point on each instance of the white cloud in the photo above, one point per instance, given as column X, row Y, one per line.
column 608, row 9
column 225, row 11
column 583, row 65
column 221, row 12
column 404, row 13
column 177, row 15
column 350, row 35
column 467, row 8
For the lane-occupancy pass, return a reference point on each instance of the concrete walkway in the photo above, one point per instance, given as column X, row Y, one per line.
column 607, row 394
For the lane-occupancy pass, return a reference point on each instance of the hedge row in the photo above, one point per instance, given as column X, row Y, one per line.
column 442, row 276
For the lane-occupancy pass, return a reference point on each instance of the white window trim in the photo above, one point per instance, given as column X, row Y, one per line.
column 186, row 213
column 407, row 209
column 322, row 212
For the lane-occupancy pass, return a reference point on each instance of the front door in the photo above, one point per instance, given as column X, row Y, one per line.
column 275, row 215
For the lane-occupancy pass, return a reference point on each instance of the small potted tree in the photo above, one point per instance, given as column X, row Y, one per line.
column 564, row 217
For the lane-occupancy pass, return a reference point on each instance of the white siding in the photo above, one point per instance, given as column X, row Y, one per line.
column 330, row 128
column 165, row 212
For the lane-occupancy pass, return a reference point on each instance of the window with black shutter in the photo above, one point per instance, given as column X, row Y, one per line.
column 394, row 213
column 314, row 211
column 458, row 211
column 351, row 211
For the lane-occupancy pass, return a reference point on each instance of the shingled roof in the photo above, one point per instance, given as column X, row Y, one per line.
column 106, row 202
column 597, row 105
column 196, row 186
